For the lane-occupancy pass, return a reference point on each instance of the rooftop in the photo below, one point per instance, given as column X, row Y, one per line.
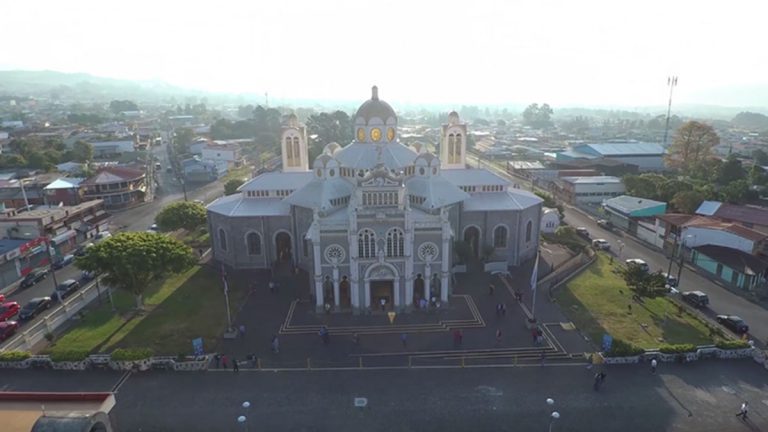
column 735, row 259
column 114, row 174
column 498, row 201
column 627, row 204
column 472, row 177
column 622, row 149
column 591, row 180
column 65, row 183
column 238, row 206
column 733, row 228
column 277, row 180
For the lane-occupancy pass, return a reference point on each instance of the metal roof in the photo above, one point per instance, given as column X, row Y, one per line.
column 393, row 155
column 238, row 206
column 277, row 180
column 627, row 204
column 499, row 201
column 591, row 180
column 621, row 149
column 472, row 177
column 708, row 208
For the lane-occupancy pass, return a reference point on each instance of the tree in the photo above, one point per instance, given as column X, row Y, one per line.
column 760, row 157
column 230, row 187
column 538, row 116
column 687, row 201
column 758, row 176
column 644, row 185
column 642, row 282
column 736, row 192
column 131, row 261
column 184, row 214
column 118, row 106
column 182, row 139
column 82, row 151
column 750, row 120
column 730, row 171
column 671, row 187
column 329, row 127
column 691, row 146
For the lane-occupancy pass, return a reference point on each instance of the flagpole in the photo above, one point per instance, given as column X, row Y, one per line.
column 226, row 297
column 534, row 282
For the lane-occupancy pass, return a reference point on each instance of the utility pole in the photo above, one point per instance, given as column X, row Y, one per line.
column 671, row 83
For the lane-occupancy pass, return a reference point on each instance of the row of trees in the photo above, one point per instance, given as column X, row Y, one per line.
column 44, row 154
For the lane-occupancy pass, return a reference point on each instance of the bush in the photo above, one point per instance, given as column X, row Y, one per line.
column 677, row 349
column 11, row 356
column 732, row 344
column 620, row 348
column 131, row 354
column 69, row 355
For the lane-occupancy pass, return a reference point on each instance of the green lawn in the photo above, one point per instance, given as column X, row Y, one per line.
column 596, row 301
column 243, row 173
column 183, row 307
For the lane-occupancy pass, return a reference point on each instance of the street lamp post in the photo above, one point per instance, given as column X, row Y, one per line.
column 243, row 420
column 621, row 248
column 682, row 256
column 554, row 415
column 53, row 269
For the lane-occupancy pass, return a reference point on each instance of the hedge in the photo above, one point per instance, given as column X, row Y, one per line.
column 131, row 354
column 69, row 355
column 11, row 356
column 620, row 348
column 732, row 344
column 677, row 349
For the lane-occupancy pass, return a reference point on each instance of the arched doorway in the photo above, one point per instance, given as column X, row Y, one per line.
column 472, row 238
column 283, row 247
column 328, row 291
column 418, row 289
column 345, row 297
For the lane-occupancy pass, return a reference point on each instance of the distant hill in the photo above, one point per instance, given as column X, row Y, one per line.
column 750, row 120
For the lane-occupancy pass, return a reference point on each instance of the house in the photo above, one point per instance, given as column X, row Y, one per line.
column 550, row 220
column 196, row 170
column 624, row 210
column 646, row 156
column 118, row 186
column 18, row 257
column 197, row 146
column 749, row 216
column 70, row 167
column 65, row 190
column 603, row 166
column 102, row 149
column 695, row 230
column 734, row 267
column 583, row 190
column 226, row 151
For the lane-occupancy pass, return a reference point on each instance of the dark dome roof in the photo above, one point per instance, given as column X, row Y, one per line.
column 375, row 108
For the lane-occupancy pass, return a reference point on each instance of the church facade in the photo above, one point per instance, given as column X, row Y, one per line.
column 375, row 223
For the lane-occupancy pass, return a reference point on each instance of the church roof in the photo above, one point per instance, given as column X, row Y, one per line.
column 437, row 191
column 238, row 206
column 499, row 201
column 318, row 193
column 375, row 108
column 277, row 180
column 366, row 156
column 472, row 177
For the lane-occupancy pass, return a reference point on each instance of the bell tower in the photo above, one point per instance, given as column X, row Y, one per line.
column 453, row 143
column 293, row 143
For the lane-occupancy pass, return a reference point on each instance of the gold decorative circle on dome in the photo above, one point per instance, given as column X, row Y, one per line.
column 360, row 134
column 390, row 134
column 376, row 134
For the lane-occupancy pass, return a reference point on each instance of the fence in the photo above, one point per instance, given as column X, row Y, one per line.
column 32, row 335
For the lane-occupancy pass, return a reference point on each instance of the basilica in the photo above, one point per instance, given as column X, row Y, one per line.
column 375, row 223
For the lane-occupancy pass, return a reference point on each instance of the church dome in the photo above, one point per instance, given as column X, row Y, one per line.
column 375, row 111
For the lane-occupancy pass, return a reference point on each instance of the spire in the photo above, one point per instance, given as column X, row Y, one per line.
column 375, row 93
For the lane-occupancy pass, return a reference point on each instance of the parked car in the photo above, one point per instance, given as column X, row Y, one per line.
column 65, row 289
column 671, row 280
column 582, row 231
column 63, row 262
column 34, row 277
column 81, row 250
column 637, row 262
column 733, row 323
column 34, row 307
column 86, row 276
column 201, row 202
column 602, row 223
column 169, row 169
column 9, row 310
column 102, row 236
column 8, row 329
column 154, row 227
column 601, row 244
column 696, row 298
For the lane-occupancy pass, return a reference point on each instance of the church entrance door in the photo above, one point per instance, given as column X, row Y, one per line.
column 418, row 290
column 283, row 247
column 472, row 238
column 345, row 299
column 382, row 290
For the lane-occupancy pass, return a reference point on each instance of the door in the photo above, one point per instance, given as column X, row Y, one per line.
column 382, row 290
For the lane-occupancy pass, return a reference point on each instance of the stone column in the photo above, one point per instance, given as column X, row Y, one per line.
column 428, row 281
column 396, row 287
column 336, row 299
column 367, row 293
column 409, row 257
column 319, row 295
column 446, row 260
column 444, row 278
column 409, row 290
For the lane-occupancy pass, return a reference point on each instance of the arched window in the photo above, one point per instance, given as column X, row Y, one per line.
column 222, row 239
column 288, row 151
column 395, row 241
column 366, row 244
column 253, row 243
column 451, row 146
column 528, row 229
column 457, row 149
column 296, row 151
column 500, row 237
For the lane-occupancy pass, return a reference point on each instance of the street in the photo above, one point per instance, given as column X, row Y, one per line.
column 722, row 301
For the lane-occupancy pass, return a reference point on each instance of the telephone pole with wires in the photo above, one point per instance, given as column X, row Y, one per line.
column 671, row 83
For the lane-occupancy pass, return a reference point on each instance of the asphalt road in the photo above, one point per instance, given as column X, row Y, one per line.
column 722, row 301
column 134, row 219
column 702, row 396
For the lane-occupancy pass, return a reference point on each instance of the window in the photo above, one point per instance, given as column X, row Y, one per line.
column 451, row 147
column 253, row 243
column 528, row 230
column 395, row 240
column 500, row 237
column 366, row 244
column 288, row 151
column 222, row 239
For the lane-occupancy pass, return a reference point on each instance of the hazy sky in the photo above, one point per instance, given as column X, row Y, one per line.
column 586, row 52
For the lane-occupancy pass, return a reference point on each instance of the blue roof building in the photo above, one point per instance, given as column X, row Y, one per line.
column 647, row 156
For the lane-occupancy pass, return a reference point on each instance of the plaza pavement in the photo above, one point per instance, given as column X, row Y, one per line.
column 702, row 396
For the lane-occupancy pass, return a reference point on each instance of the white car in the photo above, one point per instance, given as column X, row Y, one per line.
column 601, row 244
column 102, row 236
column 637, row 262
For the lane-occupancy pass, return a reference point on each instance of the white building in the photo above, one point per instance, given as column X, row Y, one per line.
column 550, row 220
column 582, row 190
column 225, row 152
column 374, row 222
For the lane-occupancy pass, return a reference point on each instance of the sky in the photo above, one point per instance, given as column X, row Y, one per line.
column 564, row 52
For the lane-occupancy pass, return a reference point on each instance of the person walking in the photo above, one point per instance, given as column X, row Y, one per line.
column 272, row 287
column 242, row 330
column 404, row 339
column 743, row 411
column 275, row 344
column 543, row 357
column 491, row 289
column 235, row 366
column 653, row 366
column 498, row 309
column 498, row 337
column 383, row 303
column 503, row 309
column 224, row 362
column 324, row 335
column 534, row 336
column 356, row 339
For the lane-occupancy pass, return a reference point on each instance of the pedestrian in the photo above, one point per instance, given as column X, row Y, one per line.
column 596, row 385
column 404, row 339
column 324, row 335
column 743, row 411
column 224, row 362
column 534, row 336
column 235, row 366
column 275, row 344
column 272, row 287
column 383, row 303
column 491, row 289
column 503, row 309
column 242, row 330
column 498, row 337
column 327, row 308
column 461, row 336
column 498, row 309
column 543, row 357
column 356, row 339
column 217, row 357
column 653, row 366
